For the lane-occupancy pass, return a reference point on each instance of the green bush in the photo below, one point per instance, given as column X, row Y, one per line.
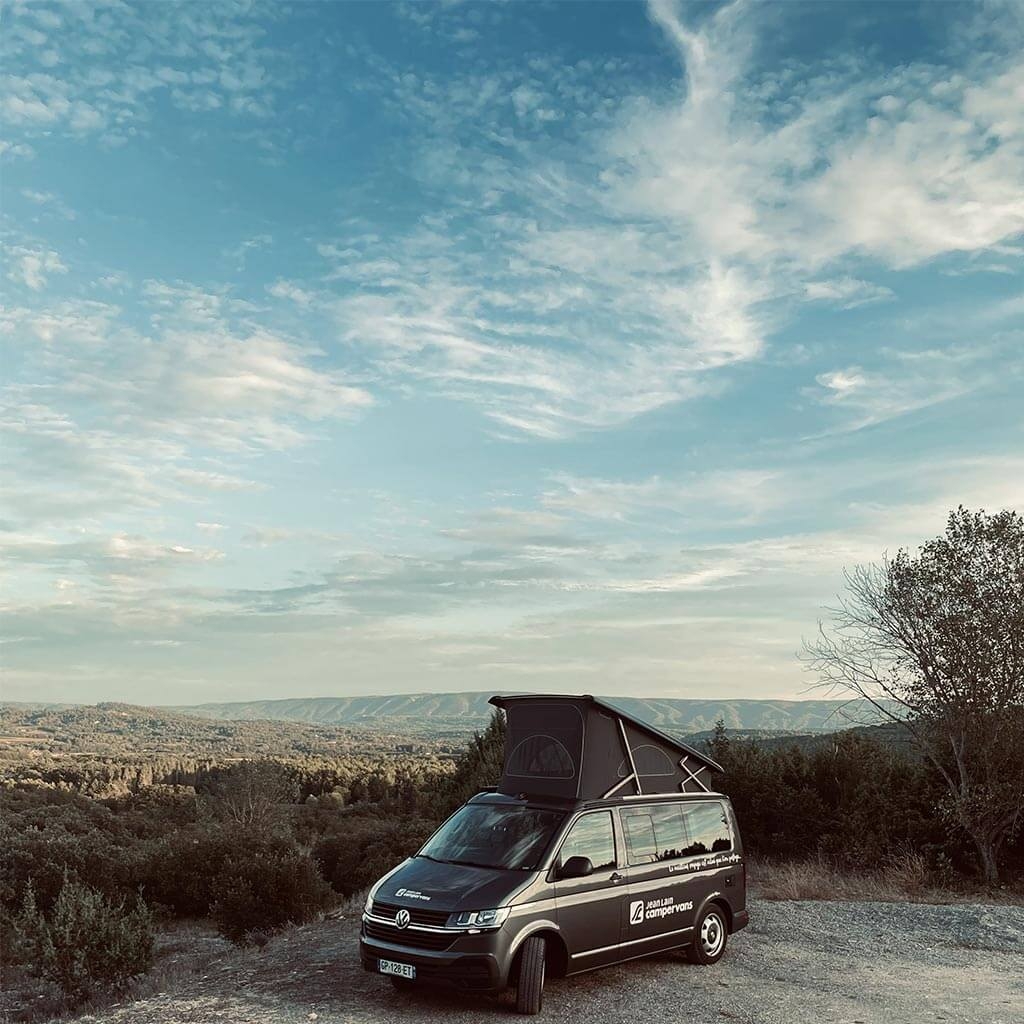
column 261, row 891
column 178, row 872
column 363, row 849
column 87, row 944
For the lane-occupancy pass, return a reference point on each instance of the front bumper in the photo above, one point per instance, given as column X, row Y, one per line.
column 469, row 964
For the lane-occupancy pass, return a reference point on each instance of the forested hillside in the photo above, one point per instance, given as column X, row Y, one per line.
column 110, row 750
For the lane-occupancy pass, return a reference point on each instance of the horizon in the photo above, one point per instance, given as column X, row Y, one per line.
column 349, row 345
column 449, row 693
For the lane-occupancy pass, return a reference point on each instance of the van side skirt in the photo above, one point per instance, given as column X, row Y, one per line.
column 634, row 942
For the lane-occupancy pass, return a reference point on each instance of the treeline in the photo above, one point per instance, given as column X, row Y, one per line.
column 852, row 800
column 342, row 779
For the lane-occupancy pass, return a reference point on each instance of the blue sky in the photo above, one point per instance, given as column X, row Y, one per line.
column 365, row 348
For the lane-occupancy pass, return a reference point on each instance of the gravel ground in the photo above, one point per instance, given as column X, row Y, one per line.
column 827, row 963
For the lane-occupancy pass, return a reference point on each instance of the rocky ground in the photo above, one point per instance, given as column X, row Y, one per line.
column 834, row 963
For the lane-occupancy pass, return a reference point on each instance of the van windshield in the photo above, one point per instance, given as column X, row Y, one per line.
column 494, row 837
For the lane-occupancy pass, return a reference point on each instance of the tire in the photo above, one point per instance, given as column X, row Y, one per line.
column 401, row 984
column 710, row 935
column 530, row 988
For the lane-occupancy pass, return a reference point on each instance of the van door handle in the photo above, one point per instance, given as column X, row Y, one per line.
column 616, row 877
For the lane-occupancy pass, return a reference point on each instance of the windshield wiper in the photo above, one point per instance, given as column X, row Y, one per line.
column 470, row 864
column 426, row 856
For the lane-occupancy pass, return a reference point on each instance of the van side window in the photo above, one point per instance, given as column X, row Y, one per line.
column 640, row 842
column 654, row 833
column 592, row 837
column 707, row 828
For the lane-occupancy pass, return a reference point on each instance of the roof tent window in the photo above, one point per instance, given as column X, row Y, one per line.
column 541, row 757
column 650, row 761
column 545, row 744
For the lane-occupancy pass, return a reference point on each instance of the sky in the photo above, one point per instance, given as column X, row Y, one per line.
column 372, row 348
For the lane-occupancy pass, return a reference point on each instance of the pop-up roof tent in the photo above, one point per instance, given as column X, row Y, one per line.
column 585, row 748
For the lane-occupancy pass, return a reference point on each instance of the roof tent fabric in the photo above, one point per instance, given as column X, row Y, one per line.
column 585, row 748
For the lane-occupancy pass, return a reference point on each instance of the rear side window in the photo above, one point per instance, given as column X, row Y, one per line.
column 707, row 828
column 641, row 845
column 654, row 833
column 669, row 831
column 592, row 837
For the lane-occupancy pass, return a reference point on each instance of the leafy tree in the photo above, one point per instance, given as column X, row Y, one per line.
column 935, row 641
column 252, row 793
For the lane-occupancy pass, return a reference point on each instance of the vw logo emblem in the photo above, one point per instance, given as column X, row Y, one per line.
column 402, row 919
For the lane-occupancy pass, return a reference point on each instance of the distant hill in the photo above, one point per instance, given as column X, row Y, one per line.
column 428, row 712
column 39, row 731
column 888, row 734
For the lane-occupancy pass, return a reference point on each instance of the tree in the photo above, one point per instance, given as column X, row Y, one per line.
column 718, row 744
column 480, row 765
column 935, row 642
column 251, row 794
column 87, row 944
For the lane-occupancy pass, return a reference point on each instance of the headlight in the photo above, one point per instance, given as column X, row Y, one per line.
column 368, row 906
column 482, row 918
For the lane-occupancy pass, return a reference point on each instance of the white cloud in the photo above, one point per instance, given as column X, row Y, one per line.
column 93, row 72
column 685, row 231
column 33, row 267
column 117, row 419
column 119, row 553
column 847, row 292
column 909, row 381
column 843, row 381
column 900, row 166
column 739, row 495
column 204, row 372
column 292, row 291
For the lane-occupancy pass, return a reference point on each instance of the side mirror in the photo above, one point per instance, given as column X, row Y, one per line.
column 576, row 867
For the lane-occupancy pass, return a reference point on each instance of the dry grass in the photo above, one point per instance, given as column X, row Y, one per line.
column 906, row 880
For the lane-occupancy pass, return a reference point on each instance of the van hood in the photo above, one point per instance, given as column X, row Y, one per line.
column 430, row 885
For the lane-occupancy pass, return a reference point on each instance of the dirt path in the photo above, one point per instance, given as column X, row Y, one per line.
column 826, row 963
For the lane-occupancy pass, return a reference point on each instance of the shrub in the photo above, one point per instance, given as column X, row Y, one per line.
column 363, row 849
column 87, row 944
column 262, row 891
column 178, row 871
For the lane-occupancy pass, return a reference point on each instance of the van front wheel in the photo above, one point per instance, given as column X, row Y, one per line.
column 530, row 988
column 709, row 937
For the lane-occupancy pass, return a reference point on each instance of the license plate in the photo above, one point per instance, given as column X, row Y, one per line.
column 399, row 970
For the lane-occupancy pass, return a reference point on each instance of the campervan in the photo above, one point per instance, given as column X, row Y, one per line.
column 602, row 842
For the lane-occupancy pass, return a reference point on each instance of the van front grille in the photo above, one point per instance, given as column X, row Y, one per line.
column 408, row 937
column 417, row 915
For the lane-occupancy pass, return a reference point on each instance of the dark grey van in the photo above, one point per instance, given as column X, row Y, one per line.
column 601, row 843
